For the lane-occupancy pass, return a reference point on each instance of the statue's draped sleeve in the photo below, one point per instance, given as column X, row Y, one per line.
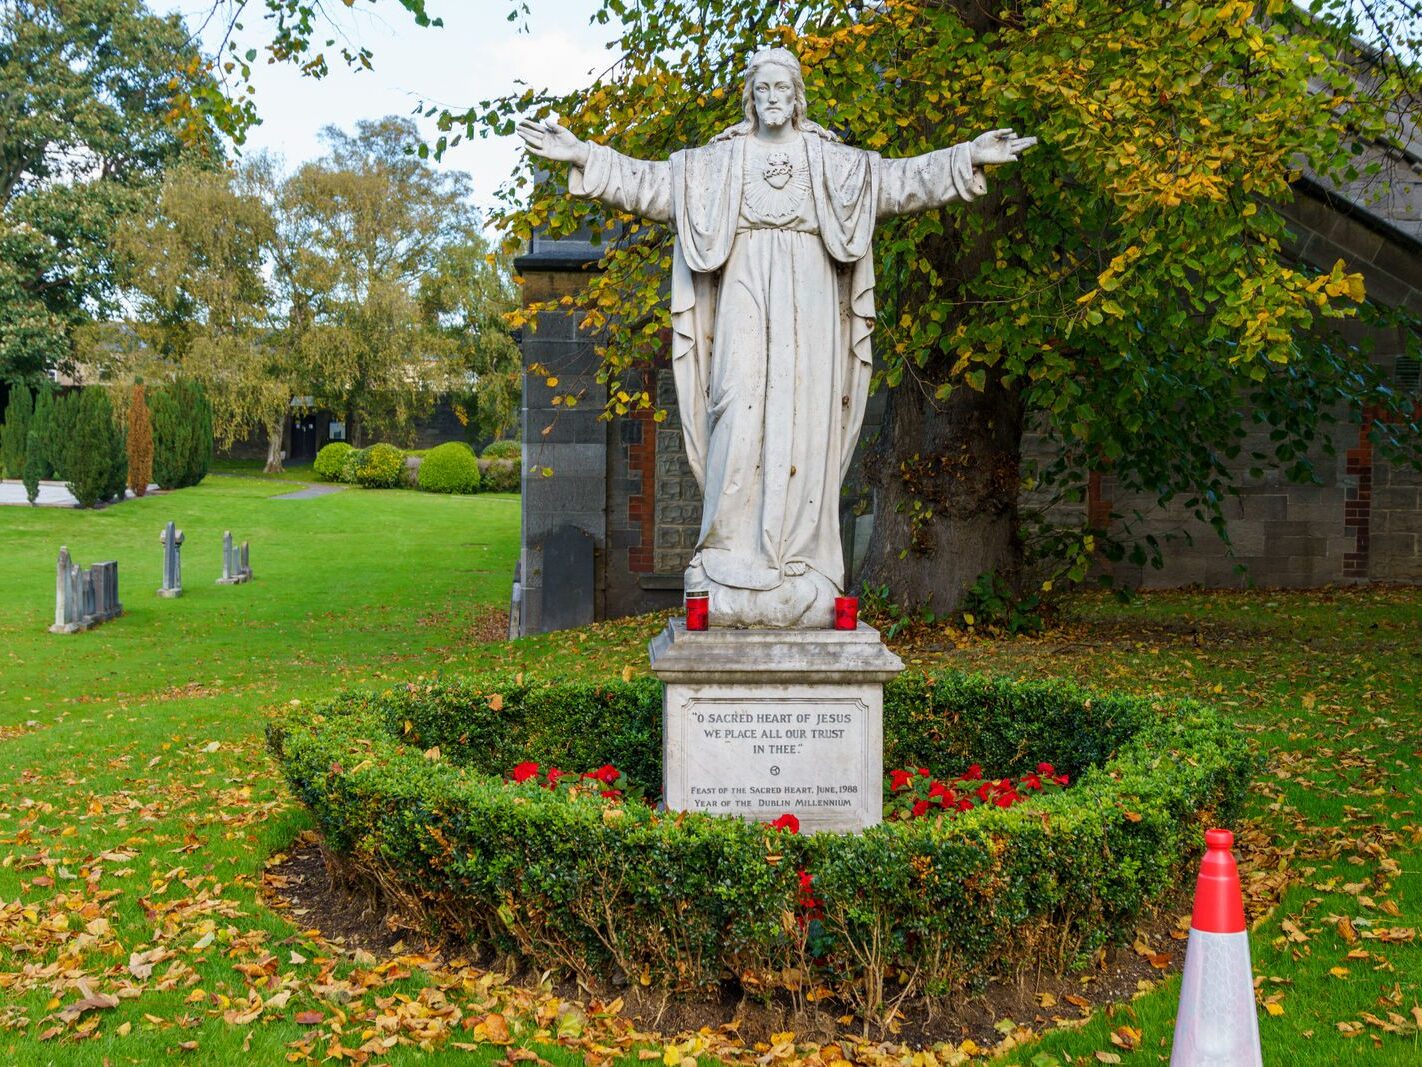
column 921, row 183
column 641, row 186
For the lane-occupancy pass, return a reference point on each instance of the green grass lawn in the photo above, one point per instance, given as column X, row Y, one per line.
column 137, row 805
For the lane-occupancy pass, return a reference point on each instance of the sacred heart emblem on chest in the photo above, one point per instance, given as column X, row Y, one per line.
column 778, row 170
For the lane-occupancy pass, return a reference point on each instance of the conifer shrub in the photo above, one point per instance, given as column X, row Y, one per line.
column 380, row 466
column 330, row 459
column 93, row 457
column 140, row 441
column 500, row 475
column 449, row 468
column 181, row 417
column 422, row 786
column 60, row 430
column 34, row 467
column 42, row 426
column 14, row 435
column 503, row 449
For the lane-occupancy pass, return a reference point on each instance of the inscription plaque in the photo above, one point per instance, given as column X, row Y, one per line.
column 761, row 723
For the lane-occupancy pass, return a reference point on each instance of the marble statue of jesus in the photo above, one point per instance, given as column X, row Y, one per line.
column 772, row 303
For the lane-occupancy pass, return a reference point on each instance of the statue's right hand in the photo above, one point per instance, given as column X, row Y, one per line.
column 547, row 139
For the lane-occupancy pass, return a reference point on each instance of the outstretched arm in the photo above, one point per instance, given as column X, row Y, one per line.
column 640, row 186
column 920, row 183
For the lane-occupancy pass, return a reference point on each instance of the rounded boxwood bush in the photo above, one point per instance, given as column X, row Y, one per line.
column 410, row 784
column 350, row 464
column 500, row 475
column 380, row 466
column 449, row 468
column 503, row 450
column 330, row 460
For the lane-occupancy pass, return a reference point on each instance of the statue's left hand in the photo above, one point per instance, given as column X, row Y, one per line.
column 998, row 146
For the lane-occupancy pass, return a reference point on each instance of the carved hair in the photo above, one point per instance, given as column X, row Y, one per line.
column 780, row 57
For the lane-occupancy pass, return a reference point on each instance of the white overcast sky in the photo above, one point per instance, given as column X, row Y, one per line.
column 477, row 54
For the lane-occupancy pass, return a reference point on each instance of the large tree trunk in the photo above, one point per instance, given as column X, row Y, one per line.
column 946, row 476
column 274, row 442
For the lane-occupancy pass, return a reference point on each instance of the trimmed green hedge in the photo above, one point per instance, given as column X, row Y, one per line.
column 449, row 468
column 686, row 902
column 503, row 450
column 330, row 460
column 500, row 475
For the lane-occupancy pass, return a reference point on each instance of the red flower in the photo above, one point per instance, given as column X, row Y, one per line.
column 1047, row 769
column 1006, row 800
column 919, row 807
column 1062, row 779
column 899, row 779
column 1031, row 781
column 965, row 804
column 607, row 774
column 984, row 791
column 554, row 774
column 524, row 771
column 939, row 791
column 610, row 794
column 972, row 774
column 786, row 822
column 807, row 881
column 925, row 772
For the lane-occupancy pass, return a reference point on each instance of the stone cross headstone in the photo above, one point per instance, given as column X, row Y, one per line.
column 172, row 541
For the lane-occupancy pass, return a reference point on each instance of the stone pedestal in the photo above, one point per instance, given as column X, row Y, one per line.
column 758, row 723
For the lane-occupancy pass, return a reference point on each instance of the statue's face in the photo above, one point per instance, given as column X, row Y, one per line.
column 773, row 93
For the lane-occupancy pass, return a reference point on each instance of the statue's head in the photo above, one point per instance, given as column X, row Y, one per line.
column 777, row 72
column 775, row 89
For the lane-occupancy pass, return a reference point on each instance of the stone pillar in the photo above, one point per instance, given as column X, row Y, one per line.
column 760, row 723
column 565, row 448
column 172, row 540
column 244, row 562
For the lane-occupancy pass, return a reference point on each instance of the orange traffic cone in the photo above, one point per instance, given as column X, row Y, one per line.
column 1217, row 1025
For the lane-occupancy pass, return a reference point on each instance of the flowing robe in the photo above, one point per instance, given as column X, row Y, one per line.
column 772, row 304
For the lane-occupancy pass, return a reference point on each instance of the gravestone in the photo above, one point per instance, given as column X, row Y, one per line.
column 236, row 565
column 172, row 541
column 84, row 597
column 568, row 578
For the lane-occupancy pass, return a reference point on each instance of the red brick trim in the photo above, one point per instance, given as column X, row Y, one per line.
column 1358, row 499
column 1098, row 511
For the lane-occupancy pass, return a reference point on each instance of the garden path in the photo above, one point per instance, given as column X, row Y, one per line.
column 310, row 492
column 51, row 494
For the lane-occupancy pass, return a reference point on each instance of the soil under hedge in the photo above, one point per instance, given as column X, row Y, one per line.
column 690, row 903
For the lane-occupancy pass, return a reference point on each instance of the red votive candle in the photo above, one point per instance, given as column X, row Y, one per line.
column 846, row 612
column 697, row 613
